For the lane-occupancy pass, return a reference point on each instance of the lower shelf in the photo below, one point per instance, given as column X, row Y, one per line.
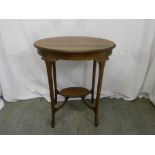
column 74, row 92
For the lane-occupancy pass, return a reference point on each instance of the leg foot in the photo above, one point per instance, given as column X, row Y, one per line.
column 53, row 122
column 96, row 120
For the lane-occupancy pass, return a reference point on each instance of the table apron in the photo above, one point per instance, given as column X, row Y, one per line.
column 54, row 56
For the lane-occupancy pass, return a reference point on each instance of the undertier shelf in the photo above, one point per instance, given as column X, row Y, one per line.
column 74, row 92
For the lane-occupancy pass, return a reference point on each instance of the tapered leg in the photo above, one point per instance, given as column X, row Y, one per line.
column 55, row 81
column 49, row 66
column 93, row 81
column 99, row 86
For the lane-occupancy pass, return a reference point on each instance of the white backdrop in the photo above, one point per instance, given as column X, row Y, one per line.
column 129, row 73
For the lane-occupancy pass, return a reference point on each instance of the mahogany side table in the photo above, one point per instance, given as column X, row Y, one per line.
column 74, row 48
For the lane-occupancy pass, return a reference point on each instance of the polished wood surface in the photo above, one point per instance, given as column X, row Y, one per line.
column 74, row 44
column 74, row 92
column 74, row 48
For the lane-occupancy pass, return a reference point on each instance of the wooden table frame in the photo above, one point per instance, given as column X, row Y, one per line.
column 50, row 61
column 74, row 48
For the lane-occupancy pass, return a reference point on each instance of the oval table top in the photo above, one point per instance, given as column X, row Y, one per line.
column 74, row 44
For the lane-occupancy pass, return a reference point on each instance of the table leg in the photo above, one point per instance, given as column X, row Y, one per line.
column 55, row 81
column 49, row 67
column 93, row 81
column 99, row 86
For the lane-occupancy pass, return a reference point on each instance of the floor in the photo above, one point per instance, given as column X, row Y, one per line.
column 117, row 117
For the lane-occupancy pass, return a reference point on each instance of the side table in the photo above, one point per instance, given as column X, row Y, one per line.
column 74, row 48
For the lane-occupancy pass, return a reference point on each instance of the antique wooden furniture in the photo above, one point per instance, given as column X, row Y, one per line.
column 74, row 48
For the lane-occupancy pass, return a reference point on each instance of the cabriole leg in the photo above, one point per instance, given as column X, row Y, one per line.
column 93, row 81
column 99, row 86
column 55, row 81
column 49, row 66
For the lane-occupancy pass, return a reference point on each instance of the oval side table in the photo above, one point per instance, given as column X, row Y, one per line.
column 74, row 48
